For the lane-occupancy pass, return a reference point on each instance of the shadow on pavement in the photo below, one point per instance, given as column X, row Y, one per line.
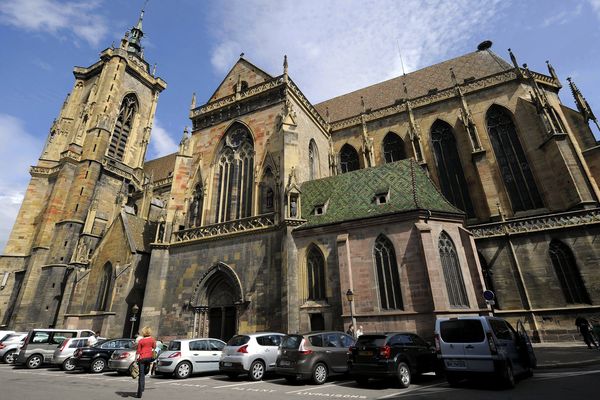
column 126, row 394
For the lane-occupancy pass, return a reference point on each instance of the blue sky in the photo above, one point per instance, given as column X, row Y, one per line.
column 333, row 47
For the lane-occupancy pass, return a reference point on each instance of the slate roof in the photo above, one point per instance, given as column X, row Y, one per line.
column 476, row 65
column 351, row 196
column 140, row 233
column 160, row 168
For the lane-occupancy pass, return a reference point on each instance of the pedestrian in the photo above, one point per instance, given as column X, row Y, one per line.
column 92, row 340
column 359, row 331
column 143, row 355
column 583, row 326
column 351, row 331
column 157, row 350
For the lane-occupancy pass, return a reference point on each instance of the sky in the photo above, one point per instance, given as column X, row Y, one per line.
column 333, row 47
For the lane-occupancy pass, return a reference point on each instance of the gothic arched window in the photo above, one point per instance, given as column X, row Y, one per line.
column 388, row 277
column 118, row 140
column 196, row 205
column 452, row 179
column 104, row 291
column 348, row 159
column 455, row 284
column 514, row 168
column 235, row 175
column 567, row 272
column 313, row 161
column 315, row 267
column 393, row 148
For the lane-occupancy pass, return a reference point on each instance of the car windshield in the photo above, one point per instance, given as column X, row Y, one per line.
column 174, row 345
column 462, row 331
column 238, row 340
column 291, row 342
column 98, row 343
column 371, row 340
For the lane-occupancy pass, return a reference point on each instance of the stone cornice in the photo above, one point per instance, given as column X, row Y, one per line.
column 118, row 168
column 542, row 223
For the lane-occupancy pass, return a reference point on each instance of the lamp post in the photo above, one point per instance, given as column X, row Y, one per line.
column 134, row 311
column 350, row 298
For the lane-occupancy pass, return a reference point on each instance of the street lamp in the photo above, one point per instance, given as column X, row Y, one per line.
column 350, row 298
column 134, row 311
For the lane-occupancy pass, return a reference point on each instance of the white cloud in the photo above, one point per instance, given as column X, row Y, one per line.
column 338, row 46
column 81, row 19
column 161, row 142
column 564, row 16
column 19, row 150
column 595, row 6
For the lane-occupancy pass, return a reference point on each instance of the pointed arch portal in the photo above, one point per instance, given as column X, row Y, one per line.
column 217, row 303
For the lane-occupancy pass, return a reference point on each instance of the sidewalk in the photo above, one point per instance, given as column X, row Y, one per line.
column 564, row 355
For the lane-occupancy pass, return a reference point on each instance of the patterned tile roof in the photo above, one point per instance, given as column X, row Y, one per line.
column 160, row 168
column 351, row 196
column 475, row 65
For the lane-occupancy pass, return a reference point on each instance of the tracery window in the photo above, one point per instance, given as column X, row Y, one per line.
column 315, row 266
column 452, row 178
column 313, row 161
column 388, row 276
column 567, row 272
column 393, row 148
column 514, row 168
column 120, row 135
column 455, row 284
column 348, row 159
column 104, row 291
column 235, row 175
column 196, row 205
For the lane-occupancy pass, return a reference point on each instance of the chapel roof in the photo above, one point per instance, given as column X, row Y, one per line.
column 351, row 196
column 140, row 232
column 160, row 168
column 470, row 66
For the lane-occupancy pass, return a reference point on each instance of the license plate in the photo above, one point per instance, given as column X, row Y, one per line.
column 456, row 363
column 365, row 353
column 284, row 363
column 227, row 364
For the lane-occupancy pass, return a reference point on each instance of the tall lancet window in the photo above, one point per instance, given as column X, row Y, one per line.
column 514, row 168
column 455, row 284
column 313, row 161
column 104, row 290
column 452, row 179
column 348, row 159
column 118, row 140
column 393, row 148
column 195, row 213
column 315, row 266
column 388, row 276
column 568, row 274
column 235, row 175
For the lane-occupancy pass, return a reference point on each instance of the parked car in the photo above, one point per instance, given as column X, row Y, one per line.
column 392, row 355
column 39, row 345
column 314, row 355
column 483, row 345
column 9, row 346
column 4, row 334
column 122, row 361
column 253, row 354
column 95, row 358
column 63, row 356
column 189, row 356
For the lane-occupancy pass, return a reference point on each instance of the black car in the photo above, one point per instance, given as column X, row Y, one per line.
column 396, row 354
column 95, row 358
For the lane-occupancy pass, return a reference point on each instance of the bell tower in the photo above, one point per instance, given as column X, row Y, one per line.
column 91, row 162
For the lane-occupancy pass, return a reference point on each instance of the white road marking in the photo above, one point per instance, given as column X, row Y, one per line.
column 188, row 380
column 237, row 384
column 319, row 387
column 410, row 390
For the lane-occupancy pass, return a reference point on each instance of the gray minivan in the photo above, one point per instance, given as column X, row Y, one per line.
column 39, row 345
column 483, row 345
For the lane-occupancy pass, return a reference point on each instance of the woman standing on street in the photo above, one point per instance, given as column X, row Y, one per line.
column 144, row 350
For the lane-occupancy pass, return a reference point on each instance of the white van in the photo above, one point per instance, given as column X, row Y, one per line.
column 40, row 344
column 476, row 345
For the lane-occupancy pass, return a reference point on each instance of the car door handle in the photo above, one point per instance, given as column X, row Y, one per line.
column 195, row 354
column 215, row 354
column 328, row 351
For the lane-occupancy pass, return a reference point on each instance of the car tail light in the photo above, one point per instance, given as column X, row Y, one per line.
column 175, row 355
column 303, row 350
column 438, row 347
column 2, row 345
column 122, row 356
column 492, row 343
column 352, row 349
column 385, row 352
column 243, row 349
column 63, row 345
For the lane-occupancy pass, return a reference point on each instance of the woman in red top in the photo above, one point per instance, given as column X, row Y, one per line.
column 144, row 350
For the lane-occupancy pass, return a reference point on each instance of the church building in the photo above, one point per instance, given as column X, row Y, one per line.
column 413, row 196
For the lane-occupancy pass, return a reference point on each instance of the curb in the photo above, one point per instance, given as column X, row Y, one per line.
column 571, row 364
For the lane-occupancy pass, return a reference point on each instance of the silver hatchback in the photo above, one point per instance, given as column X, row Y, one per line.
column 122, row 361
column 187, row 356
column 253, row 354
column 63, row 356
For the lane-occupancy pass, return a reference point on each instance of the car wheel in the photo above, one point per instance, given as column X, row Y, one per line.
column 183, row 370
column 320, row 374
column 508, row 376
column 34, row 361
column 98, row 365
column 528, row 373
column 9, row 356
column 257, row 370
column 69, row 364
column 362, row 381
column 232, row 375
column 404, row 375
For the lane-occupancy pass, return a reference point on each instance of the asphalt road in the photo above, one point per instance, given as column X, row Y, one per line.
column 50, row 384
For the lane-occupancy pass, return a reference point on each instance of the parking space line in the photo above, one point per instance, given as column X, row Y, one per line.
column 311, row 388
column 237, row 384
column 187, row 380
column 410, row 390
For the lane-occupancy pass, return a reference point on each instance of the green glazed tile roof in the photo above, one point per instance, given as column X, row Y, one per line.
column 351, row 195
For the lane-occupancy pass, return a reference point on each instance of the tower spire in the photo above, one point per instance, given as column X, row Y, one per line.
column 582, row 104
column 136, row 33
